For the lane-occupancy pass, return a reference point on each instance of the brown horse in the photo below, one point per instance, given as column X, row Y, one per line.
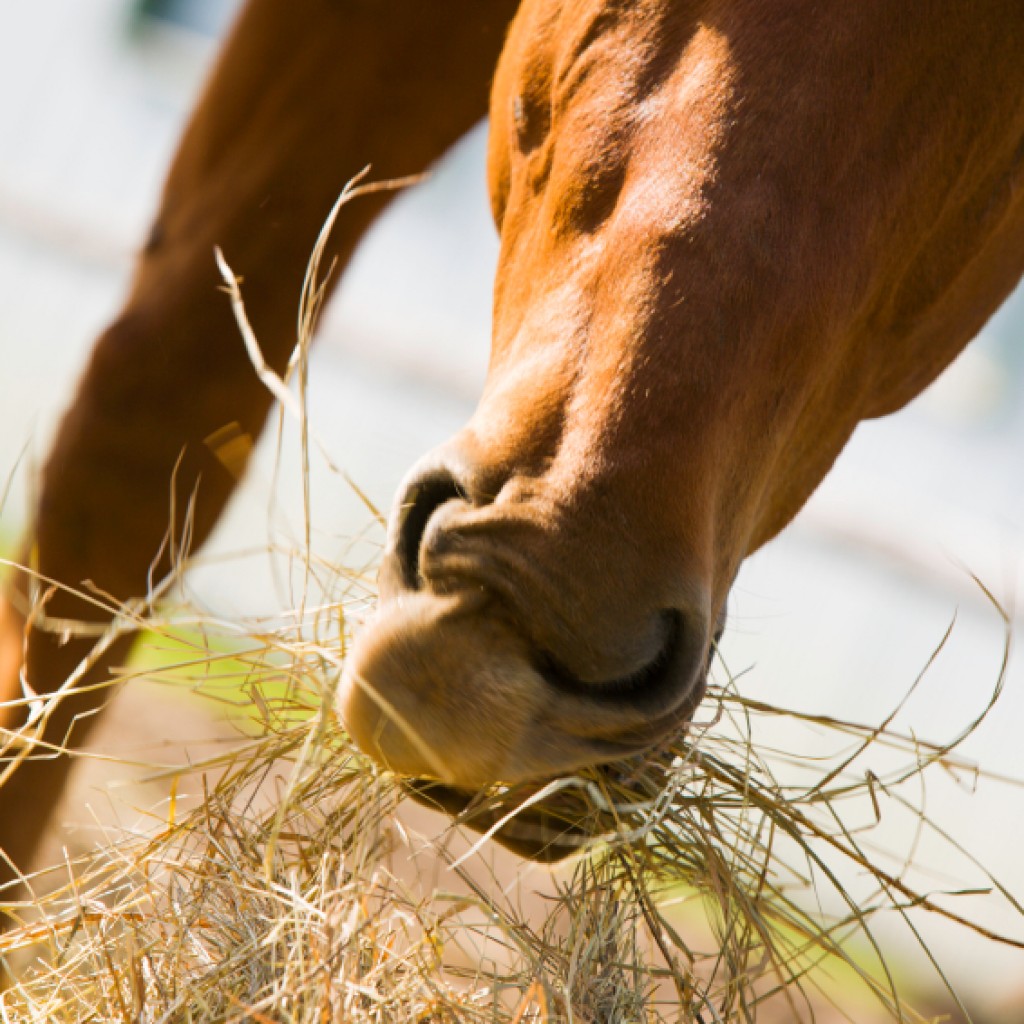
column 730, row 231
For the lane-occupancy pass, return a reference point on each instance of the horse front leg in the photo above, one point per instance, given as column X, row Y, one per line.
column 305, row 95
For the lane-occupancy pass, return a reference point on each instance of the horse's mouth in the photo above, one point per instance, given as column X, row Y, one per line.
column 540, row 826
column 547, row 820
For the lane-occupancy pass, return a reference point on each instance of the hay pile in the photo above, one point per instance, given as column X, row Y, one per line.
column 296, row 892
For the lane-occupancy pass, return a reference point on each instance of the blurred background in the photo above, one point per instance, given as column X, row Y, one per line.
column 836, row 617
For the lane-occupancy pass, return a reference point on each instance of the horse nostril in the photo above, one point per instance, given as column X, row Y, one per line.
column 421, row 500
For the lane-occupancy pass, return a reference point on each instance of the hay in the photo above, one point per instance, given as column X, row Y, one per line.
column 286, row 896
column 713, row 883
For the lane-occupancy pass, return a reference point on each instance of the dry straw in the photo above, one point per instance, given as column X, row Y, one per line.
column 717, row 880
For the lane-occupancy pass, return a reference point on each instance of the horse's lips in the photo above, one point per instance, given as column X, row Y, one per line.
column 404, row 701
column 538, row 832
column 443, row 686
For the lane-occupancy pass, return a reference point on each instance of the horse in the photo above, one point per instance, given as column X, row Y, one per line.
column 730, row 230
